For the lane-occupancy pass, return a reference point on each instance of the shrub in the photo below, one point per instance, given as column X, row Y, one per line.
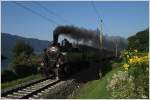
column 22, row 47
column 136, row 66
column 139, row 41
column 8, row 75
column 23, row 66
column 23, row 70
column 121, row 85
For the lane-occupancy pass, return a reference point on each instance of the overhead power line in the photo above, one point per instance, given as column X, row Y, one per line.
column 36, row 13
column 96, row 11
column 98, row 15
column 100, row 34
column 51, row 12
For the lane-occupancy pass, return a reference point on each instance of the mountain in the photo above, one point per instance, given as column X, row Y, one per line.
column 8, row 41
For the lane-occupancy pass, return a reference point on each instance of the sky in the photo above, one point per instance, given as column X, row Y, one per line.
column 119, row 18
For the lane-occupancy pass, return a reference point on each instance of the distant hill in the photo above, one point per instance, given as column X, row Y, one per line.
column 8, row 41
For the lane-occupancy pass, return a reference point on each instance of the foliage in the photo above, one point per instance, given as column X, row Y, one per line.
column 24, row 66
column 22, row 62
column 137, row 67
column 139, row 41
column 22, row 47
column 121, row 85
column 7, row 75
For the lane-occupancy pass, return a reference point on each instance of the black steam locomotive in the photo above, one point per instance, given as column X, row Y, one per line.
column 63, row 60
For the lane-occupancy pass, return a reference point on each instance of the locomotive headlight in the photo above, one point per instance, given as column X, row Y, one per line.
column 57, row 65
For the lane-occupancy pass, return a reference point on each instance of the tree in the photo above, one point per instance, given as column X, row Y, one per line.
column 22, row 61
column 139, row 41
column 22, row 47
column 7, row 75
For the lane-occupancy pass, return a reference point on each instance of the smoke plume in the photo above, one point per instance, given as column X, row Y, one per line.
column 90, row 37
column 75, row 33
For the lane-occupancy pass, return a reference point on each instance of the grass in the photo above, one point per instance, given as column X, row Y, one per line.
column 19, row 81
column 97, row 89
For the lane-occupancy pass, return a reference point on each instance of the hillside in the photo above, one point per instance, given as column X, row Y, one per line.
column 8, row 41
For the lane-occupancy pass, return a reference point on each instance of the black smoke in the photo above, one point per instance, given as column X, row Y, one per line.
column 75, row 33
column 90, row 37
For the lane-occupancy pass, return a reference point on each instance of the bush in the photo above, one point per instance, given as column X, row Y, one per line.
column 136, row 66
column 22, row 47
column 140, row 71
column 122, row 85
column 23, row 70
column 8, row 75
column 23, row 66
column 139, row 41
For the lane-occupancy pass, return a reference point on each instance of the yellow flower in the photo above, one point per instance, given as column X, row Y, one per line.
column 136, row 57
column 138, row 60
column 126, row 69
column 126, row 66
column 131, row 61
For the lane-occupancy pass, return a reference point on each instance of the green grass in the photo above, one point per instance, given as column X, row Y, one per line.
column 97, row 89
column 19, row 81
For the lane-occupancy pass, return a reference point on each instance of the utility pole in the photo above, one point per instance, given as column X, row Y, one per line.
column 116, row 46
column 100, row 33
column 101, row 36
column 116, row 50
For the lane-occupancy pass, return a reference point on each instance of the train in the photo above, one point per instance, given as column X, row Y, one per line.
column 62, row 60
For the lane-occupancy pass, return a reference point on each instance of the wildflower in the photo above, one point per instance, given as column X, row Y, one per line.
column 126, row 66
column 130, row 61
column 136, row 57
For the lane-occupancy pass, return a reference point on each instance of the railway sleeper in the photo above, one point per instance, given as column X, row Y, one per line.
column 13, row 96
column 39, row 94
column 20, row 94
column 34, row 88
column 29, row 90
column 21, row 91
column 35, row 96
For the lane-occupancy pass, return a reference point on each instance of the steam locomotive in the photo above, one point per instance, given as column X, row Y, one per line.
column 63, row 60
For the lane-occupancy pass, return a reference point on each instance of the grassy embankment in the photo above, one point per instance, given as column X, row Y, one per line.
column 97, row 89
column 19, row 81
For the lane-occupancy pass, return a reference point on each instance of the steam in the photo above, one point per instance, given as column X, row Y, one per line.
column 80, row 34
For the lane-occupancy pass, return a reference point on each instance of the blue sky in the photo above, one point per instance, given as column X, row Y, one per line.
column 119, row 18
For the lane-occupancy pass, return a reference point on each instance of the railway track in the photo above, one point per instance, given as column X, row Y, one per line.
column 31, row 90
